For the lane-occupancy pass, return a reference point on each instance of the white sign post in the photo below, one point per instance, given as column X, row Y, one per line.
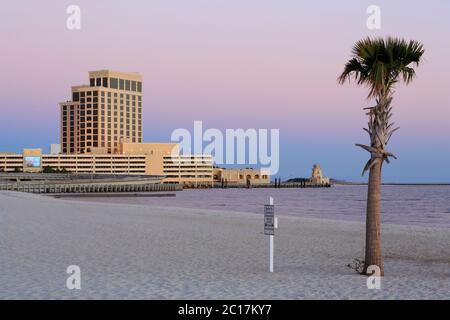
column 270, row 224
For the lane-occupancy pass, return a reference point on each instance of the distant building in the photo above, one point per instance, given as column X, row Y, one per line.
column 317, row 176
column 241, row 176
column 103, row 113
column 101, row 133
column 155, row 159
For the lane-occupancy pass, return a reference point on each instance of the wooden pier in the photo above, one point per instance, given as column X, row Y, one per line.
column 61, row 184
column 88, row 187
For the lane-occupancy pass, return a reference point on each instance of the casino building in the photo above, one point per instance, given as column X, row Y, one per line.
column 101, row 133
column 155, row 159
column 103, row 113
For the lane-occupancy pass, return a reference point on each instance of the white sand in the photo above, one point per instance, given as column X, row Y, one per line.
column 164, row 253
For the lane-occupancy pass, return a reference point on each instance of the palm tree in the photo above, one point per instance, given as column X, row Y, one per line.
column 379, row 64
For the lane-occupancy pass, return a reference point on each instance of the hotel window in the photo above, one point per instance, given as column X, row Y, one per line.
column 113, row 84
column 92, row 82
column 139, row 86
column 98, row 82
column 133, row 85
column 105, row 82
column 127, row 85
column 121, row 84
column 75, row 96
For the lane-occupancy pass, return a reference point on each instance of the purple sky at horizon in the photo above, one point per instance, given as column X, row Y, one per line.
column 234, row 64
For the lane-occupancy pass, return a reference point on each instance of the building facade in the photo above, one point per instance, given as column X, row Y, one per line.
column 102, row 114
column 101, row 133
column 247, row 176
column 155, row 159
column 189, row 170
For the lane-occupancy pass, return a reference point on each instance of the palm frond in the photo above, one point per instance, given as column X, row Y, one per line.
column 380, row 63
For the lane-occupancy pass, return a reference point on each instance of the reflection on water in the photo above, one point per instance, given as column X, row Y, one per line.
column 408, row 205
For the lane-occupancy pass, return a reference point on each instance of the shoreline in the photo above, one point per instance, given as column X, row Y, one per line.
column 227, row 213
column 140, row 252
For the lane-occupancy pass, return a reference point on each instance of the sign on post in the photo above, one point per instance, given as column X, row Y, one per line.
column 269, row 228
column 269, row 220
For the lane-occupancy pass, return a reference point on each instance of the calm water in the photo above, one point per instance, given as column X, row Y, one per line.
column 407, row 205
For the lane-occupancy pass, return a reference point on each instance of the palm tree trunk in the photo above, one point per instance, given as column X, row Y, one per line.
column 373, row 220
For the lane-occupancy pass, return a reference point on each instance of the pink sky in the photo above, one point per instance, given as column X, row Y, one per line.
column 250, row 64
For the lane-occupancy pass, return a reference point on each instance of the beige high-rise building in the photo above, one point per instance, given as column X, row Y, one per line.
column 102, row 114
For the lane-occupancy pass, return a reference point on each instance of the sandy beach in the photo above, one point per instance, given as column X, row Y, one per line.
column 142, row 252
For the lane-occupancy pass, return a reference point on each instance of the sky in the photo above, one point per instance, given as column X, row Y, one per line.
column 234, row 64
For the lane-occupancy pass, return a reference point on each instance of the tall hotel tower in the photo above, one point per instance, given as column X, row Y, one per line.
column 103, row 113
